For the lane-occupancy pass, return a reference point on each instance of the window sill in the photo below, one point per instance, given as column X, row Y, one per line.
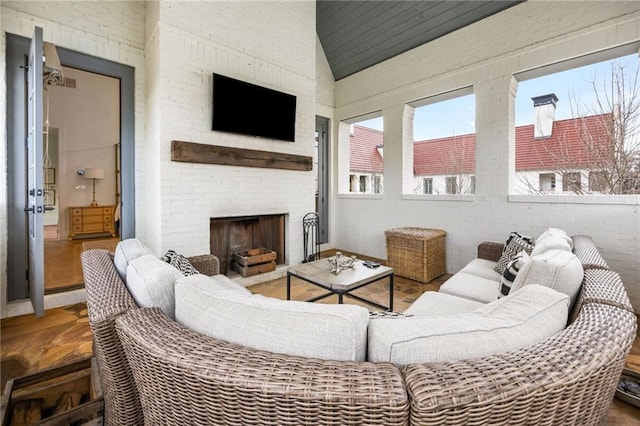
column 576, row 199
column 359, row 196
column 439, row 197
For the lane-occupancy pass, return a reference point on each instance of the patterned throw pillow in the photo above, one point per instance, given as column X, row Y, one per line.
column 514, row 245
column 180, row 262
column 511, row 271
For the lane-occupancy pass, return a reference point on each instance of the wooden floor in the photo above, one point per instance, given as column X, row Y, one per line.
column 63, row 335
column 62, row 269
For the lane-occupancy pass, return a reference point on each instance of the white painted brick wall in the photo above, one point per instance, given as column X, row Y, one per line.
column 271, row 44
column 324, row 83
column 485, row 55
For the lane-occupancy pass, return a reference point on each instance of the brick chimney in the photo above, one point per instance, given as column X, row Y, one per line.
column 545, row 111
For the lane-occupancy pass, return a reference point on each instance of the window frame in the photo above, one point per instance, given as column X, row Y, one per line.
column 607, row 54
column 427, row 183
column 410, row 182
column 345, row 174
column 575, row 183
column 451, row 185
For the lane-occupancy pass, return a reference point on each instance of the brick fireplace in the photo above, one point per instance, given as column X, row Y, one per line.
column 233, row 234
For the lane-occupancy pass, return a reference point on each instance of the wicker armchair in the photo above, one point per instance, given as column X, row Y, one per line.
column 108, row 298
column 156, row 371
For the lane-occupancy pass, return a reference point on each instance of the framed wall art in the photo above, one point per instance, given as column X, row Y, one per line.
column 49, row 175
column 49, row 197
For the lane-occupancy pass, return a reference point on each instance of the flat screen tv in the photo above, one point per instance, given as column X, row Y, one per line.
column 248, row 109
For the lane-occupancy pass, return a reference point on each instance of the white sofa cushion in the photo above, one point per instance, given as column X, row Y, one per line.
column 126, row 251
column 471, row 287
column 433, row 303
column 561, row 270
column 551, row 242
column 313, row 330
column 217, row 283
column 151, row 283
column 482, row 268
column 512, row 322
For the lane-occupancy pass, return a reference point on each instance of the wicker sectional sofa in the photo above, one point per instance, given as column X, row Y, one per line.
column 155, row 371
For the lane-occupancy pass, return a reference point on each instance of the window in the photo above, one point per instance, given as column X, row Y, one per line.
column 360, row 155
column 566, row 126
column 547, row 182
column 353, row 183
column 452, row 185
column 377, row 184
column 444, row 143
column 598, row 181
column 427, row 184
column 363, row 184
column 572, row 182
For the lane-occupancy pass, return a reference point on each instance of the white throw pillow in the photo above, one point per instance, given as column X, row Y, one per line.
column 558, row 269
column 556, row 232
column 512, row 322
column 151, row 283
column 126, row 251
column 551, row 242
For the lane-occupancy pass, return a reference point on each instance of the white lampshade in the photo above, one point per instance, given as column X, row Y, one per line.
column 90, row 173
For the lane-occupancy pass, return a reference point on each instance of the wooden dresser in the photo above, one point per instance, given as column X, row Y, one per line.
column 91, row 220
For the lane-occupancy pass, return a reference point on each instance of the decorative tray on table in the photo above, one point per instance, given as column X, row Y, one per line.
column 628, row 388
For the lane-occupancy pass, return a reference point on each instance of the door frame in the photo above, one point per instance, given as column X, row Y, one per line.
column 17, row 51
column 322, row 128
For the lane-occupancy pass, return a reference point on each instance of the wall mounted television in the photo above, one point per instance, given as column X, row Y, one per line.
column 248, row 109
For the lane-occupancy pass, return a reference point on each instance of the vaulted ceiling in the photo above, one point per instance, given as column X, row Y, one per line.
column 358, row 34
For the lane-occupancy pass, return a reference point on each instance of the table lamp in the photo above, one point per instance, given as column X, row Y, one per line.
column 93, row 174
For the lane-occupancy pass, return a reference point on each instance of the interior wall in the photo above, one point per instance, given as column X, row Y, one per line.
column 485, row 55
column 270, row 44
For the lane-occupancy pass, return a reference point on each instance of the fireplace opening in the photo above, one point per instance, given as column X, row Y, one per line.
column 235, row 234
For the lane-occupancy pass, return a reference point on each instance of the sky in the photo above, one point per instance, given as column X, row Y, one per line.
column 457, row 116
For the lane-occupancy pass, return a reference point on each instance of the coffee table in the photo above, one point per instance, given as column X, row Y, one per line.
column 319, row 274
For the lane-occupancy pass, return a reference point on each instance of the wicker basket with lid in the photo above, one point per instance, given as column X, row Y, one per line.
column 416, row 253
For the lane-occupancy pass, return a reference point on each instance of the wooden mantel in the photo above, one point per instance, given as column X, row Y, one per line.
column 190, row 152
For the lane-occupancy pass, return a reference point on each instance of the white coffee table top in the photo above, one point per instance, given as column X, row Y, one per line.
column 319, row 272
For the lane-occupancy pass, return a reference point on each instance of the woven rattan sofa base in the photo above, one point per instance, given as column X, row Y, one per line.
column 185, row 378
column 180, row 377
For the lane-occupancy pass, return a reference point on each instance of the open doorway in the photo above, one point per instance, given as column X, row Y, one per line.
column 59, row 187
column 81, row 137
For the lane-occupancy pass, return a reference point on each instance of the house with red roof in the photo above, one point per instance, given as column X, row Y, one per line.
column 365, row 160
column 551, row 156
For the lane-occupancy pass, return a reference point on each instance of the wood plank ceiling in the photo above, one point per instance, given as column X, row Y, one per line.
column 358, row 34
